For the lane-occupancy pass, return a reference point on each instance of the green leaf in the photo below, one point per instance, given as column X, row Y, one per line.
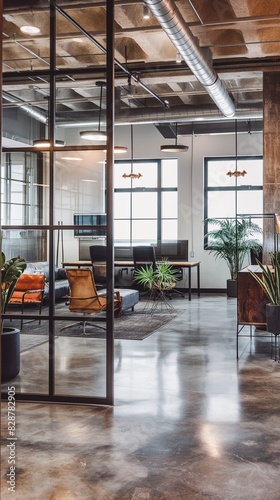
column 232, row 240
column 10, row 272
column 270, row 280
column 163, row 277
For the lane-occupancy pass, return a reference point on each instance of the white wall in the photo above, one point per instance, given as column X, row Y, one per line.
column 80, row 188
column 147, row 141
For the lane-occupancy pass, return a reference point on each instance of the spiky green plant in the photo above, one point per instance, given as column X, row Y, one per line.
column 270, row 280
column 164, row 277
column 232, row 241
column 10, row 272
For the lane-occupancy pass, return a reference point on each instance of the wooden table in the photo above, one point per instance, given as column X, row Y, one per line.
column 129, row 263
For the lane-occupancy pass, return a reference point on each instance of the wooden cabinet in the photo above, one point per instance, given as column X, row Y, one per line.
column 251, row 299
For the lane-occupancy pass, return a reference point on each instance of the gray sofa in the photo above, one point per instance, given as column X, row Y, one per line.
column 61, row 285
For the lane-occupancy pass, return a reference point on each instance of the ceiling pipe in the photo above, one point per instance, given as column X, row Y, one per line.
column 180, row 114
column 186, row 114
column 103, row 49
column 174, row 25
column 38, row 115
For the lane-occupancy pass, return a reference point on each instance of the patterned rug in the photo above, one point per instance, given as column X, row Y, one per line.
column 136, row 325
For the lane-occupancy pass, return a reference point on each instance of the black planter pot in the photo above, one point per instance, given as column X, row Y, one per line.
column 273, row 318
column 273, row 325
column 10, row 353
column 232, row 288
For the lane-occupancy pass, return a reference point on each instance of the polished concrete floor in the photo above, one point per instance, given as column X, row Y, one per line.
column 189, row 422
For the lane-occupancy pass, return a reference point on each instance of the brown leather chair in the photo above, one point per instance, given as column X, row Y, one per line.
column 29, row 290
column 84, row 297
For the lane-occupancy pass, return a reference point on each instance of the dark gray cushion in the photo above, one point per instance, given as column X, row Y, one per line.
column 129, row 297
column 61, row 283
column 61, row 288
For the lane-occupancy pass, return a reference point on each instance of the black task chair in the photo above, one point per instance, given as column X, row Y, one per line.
column 177, row 250
column 98, row 255
column 143, row 256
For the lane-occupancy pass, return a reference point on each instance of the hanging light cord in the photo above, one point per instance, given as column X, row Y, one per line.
column 236, row 173
column 132, row 175
column 100, row 104
column 131, row 147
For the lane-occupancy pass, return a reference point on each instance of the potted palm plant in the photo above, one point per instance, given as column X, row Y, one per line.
column 10, row 338
column 269, row 281
column 232, row 240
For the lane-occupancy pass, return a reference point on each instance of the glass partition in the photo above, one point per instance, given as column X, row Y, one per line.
column 51, row 174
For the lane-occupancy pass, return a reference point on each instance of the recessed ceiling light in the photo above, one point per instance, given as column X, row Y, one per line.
column 71, row 158
column 30, row 30
column 118, row 149
column 45, row 143
column 88, row 180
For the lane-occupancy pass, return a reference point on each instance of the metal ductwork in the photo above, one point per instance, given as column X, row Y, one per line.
column 177, row 114
column 185, row 114
column 250, row 127
column 38, row 115
column 172, row 22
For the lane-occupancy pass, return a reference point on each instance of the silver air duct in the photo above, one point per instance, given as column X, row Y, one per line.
column 172, row 22
column 183, row 114
column 179, row 114
column 38, row 115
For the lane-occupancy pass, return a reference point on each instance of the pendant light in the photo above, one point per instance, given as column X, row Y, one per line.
column 174, row 148
column 96, row 135
column 236, row 173
column 131, row 174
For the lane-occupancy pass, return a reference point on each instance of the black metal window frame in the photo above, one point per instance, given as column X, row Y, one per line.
column 234, row 188
column 31, row 200
column 51, row 227
column 158, row 189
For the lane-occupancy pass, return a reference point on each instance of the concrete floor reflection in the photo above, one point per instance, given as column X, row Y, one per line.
column 189, row 421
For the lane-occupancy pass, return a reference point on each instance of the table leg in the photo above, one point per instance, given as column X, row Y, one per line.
column 198, row 280
column 190, row 283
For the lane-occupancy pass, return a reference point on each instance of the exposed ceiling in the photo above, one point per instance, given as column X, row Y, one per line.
column 238, row 40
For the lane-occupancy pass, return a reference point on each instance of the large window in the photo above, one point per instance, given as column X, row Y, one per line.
column 145, row 207
column 228, row 195
column 20, row 178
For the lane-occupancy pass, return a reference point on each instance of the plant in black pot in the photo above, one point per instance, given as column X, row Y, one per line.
column 269, row 281
column 10, row 338
column 158, row 281
column 232, row 240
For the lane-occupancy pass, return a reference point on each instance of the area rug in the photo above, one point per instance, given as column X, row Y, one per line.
column 136, row 325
